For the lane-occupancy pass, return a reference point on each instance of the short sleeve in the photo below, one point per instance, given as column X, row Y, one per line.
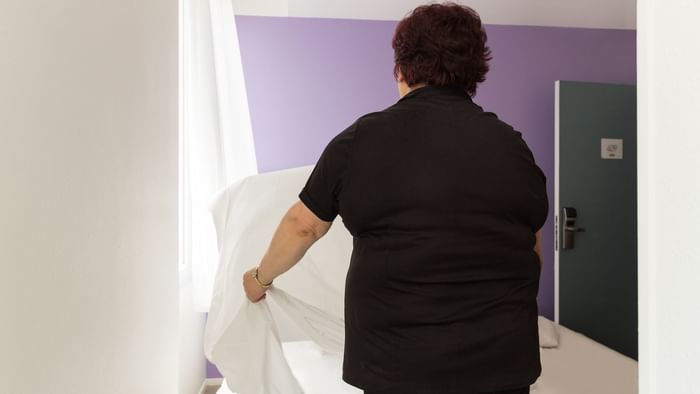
column 322, row 189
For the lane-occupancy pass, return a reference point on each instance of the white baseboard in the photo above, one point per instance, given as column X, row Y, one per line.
column 209, row 383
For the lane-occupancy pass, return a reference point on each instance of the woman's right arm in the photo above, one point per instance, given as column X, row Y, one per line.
column 298, row 230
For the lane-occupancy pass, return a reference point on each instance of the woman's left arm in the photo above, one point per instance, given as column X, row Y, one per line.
column 538, row 245
column 299, row 229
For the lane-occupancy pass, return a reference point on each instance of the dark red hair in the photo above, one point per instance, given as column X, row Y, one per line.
column 442, row 45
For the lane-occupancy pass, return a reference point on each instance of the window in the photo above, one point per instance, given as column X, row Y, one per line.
column 216, row 140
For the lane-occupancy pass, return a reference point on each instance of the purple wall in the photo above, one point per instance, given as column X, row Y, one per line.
column 308, row 79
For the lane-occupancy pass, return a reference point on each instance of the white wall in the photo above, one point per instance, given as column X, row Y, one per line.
column 192, row 364
column 669, row 196
column 615, row 14
column 89, row 205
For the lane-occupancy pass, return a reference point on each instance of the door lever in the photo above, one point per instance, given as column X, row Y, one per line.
column 569, row 228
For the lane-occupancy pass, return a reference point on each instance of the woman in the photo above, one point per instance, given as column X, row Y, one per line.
column 444, row 202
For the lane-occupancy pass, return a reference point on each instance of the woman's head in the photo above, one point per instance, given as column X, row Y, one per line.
column 441, row 45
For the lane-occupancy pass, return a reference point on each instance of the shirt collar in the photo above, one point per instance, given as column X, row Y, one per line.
column 430, row 90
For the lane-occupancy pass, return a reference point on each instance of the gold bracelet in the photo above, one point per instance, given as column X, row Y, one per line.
column 255, row 276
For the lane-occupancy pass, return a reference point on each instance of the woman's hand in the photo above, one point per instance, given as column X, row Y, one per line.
column 253, row 290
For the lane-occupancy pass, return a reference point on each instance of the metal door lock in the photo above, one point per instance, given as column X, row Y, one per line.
column 569, row 228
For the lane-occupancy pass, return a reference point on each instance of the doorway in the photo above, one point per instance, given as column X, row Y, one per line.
column 596, row 212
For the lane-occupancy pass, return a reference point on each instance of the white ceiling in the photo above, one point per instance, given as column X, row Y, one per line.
column 614, row 14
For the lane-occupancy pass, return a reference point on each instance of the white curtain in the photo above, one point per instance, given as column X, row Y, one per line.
column 218, row 147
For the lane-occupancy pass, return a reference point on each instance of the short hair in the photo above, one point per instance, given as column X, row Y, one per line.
column 442, row 45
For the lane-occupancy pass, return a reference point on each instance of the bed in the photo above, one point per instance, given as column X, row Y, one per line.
column 292, row 342
column 578, row 366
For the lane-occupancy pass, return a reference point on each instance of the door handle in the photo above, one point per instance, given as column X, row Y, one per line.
column 569, row 216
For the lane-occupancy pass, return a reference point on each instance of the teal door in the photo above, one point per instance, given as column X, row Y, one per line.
column 596, row 206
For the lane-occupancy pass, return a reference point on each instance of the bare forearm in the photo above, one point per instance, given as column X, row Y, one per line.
column 290, row 242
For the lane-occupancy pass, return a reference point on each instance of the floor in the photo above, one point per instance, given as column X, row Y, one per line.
column 211, row 389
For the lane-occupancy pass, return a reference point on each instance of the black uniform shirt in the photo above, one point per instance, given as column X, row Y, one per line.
column 443, row 201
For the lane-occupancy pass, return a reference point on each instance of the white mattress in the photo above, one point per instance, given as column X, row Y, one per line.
column 583, row 366
column 578, row 366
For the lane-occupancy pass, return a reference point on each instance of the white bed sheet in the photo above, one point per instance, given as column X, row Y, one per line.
column 578, row 366
column 318, row 372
